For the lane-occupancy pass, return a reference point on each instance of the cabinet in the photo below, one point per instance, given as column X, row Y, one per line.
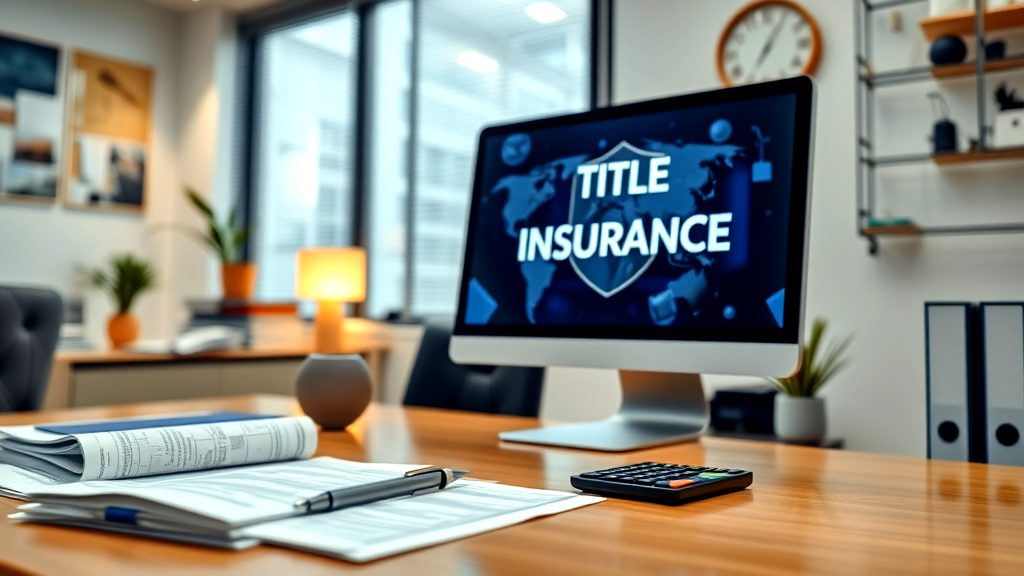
column 98, row 378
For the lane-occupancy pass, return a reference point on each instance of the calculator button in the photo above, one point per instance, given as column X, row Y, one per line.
column 645, row 481
column 678, row 483
column 734, row 471
column 628, row 479
column 591, row 475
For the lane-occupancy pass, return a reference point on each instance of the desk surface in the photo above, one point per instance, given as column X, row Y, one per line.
column 811, row 510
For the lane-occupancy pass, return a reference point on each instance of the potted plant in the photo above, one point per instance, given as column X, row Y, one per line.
column 125, row 279
column 799, row 412
column 227, row 239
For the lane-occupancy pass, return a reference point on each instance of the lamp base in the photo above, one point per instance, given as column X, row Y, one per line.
column 330, row 314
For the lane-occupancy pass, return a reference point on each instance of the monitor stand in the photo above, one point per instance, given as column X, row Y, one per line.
column 657, row 408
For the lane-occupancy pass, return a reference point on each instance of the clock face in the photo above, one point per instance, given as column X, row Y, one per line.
column 768, row 40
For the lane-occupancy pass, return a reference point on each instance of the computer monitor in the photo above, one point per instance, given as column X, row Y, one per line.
column 665, row 238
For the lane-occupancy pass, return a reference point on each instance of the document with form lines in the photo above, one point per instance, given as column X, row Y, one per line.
column 242, row 507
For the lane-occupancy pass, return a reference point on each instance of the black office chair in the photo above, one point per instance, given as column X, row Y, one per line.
column 30, row 320
column 437, row 382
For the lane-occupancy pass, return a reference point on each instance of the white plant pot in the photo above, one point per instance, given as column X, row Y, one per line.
column 1008, row 129
column 799, row 419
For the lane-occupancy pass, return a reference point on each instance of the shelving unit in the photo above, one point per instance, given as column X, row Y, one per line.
column 971, row 68
column 963, row 23
column 968, row 24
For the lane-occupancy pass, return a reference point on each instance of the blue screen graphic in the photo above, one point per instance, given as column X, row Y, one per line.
column 667, row 219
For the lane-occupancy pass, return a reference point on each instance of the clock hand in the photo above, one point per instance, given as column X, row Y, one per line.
column 771, row 42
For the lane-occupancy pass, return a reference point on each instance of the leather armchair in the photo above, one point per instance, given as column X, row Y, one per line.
column 30, row 320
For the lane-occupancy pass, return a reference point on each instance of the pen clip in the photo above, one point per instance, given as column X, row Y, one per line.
column 447, row 476
column 425, row 470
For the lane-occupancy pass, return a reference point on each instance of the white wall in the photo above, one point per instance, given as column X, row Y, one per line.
column 193, row 59
column 667, row 46
column 206, row 148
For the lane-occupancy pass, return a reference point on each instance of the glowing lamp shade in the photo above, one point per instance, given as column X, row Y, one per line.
column 337, row 274
column 331, row 277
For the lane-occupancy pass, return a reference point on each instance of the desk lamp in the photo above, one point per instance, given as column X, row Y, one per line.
column 332, row 277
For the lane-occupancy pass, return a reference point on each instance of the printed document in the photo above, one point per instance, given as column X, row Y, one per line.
column 238, row 506
column 150, row 451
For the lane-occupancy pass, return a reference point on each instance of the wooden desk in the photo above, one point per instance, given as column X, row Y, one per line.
column 103, row 377
column 810, row 510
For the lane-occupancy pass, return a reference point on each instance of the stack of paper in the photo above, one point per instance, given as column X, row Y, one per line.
column 35, row 456
column 242, row 507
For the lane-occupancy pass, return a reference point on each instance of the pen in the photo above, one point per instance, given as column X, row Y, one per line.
column 414, row 482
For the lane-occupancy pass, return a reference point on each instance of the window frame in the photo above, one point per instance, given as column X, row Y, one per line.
column 253, row 26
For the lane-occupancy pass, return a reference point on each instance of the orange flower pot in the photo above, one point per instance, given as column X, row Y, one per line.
column 122, row 329
column 238, row 280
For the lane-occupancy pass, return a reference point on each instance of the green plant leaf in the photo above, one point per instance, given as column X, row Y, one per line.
column 200, row 204
column 126, row 278
column 217, row 242
column 819, row 363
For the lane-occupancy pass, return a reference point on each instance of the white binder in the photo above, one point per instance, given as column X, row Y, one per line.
column 1003, row 329
column 948, row 346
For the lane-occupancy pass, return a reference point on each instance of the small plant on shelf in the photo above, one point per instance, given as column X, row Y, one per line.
column 226, row 238
column 126, row 278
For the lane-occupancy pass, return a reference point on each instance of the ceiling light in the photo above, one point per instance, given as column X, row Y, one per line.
column 477, row 62
column 545, row 12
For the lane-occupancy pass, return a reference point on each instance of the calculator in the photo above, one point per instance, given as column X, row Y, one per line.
column 663, row 483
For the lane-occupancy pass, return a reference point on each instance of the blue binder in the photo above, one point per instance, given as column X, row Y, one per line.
column 141, row 423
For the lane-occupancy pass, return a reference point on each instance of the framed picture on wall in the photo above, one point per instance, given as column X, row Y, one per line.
column 109, row 133
column 31, row 119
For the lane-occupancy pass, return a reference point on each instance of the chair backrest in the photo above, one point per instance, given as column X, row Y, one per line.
column 30, row 320
column 437, row 382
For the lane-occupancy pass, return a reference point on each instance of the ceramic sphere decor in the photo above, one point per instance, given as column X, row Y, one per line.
column 947, row 50
column 334, row 389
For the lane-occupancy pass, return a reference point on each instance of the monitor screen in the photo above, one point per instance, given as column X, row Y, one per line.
column 675, row 219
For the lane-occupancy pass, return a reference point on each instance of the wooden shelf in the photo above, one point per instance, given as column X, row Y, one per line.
column 962, row 23
column 968, row 68
column 897, row 230
column 985, row 156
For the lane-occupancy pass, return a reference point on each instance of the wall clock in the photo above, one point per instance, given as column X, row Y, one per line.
column 768, row 40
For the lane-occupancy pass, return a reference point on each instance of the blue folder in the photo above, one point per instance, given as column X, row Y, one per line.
column 141, row 423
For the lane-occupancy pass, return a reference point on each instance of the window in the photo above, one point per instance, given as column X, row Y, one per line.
column 438, row 72
column 303, row 149
column 478, row 63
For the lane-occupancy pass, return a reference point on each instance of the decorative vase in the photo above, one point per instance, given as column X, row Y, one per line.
column 122, row 329
column 238, row 280
column 995, row 50
column 947, row 50
column 334, row 389
column 799, row 419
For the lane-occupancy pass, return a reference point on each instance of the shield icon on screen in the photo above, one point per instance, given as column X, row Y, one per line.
column 608, row 200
